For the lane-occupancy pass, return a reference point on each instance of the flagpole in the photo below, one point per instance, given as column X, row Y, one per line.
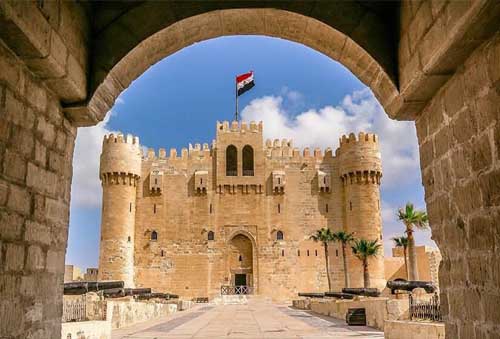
column 236, row 92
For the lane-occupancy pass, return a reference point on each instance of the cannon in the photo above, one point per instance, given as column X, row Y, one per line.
column 339, row 295
column 82, row 287
column 312, row 295
column 367, row 292
column 410, row 285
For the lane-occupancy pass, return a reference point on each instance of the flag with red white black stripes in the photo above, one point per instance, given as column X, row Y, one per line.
column 244, row 82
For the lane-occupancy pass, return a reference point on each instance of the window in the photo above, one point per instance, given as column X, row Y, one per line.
column 211, row 235
column 154, row 236
column 129, row 239
column 298, row 253
column 156, row 181
column 231, row 161
column 154, row 208
column 279, row 235
column 307, row 252
column 162, row 254
column 130, row 208
column 326, row 208
column 248, row 161
column 336, row 253
column 210, row 208
column 316, row 252
column 240, row 258
column 282, row 253
column 279, row 208
column 350, row 205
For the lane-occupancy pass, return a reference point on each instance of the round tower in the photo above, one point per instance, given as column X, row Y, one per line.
column 361, row 171
column 119, row 172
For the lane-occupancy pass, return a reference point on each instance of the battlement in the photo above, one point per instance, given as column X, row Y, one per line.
column 276, row 149
column 363, row 139
column 120, row 138
column 239, row 127
column 203, row 151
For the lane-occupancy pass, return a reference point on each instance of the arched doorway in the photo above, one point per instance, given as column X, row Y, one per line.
column 240, row 258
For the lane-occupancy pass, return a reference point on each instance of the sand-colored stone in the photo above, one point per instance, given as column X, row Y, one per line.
column 186, row 199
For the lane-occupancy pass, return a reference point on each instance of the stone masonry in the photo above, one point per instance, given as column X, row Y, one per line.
column 190, row 223
column 63, row 63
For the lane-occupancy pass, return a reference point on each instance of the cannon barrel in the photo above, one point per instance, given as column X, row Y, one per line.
column 312, row 295
column 367, row 292
column 82, row 287
column 137, row 291
column 410, row 285
column 339, row 295
column 114, row 293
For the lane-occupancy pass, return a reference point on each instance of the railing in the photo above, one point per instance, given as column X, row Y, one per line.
column 231, row 290
column 425, row 310
column 79, row 309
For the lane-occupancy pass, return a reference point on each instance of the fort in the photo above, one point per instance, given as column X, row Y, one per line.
column 238, row 213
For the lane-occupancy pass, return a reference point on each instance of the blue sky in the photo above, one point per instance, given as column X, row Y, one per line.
column 178, row 100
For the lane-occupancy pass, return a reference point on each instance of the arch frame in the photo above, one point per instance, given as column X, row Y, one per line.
column 255, row 260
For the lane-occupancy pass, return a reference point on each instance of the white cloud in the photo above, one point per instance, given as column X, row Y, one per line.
column 86, row 186
column 357, row 112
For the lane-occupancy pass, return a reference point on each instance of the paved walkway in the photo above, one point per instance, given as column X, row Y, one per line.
column 257, row 319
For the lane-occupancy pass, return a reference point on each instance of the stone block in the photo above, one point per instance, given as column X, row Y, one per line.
column 11, row 225
column 55, row 261
column 22, row 140
column 19, row 200
column 42, row 180
column 490, row 188
column 14, row 109
column 14, row 166
column 481, row 153
column 37, row 233
column 54, row 64
column 14, row 257
column 40, row 153
column 46, row 130
column 35, row 259
column 4, row 190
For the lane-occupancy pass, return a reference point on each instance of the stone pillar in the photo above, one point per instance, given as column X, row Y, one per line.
column 361, row 171
column 459, row 140
column 120, row 171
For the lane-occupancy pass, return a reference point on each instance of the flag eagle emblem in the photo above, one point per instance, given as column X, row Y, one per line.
column 244, row 82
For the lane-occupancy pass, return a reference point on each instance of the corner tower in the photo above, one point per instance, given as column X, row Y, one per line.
column 120, row 170
column 361, row 171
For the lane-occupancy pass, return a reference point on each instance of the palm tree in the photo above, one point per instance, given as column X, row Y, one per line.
column 364, row 249
column 402, row 241
column 325, row 236
column 344, row 238
column 412, row 218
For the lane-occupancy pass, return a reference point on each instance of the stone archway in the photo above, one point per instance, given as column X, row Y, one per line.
column 434, row 62
column 240, row 258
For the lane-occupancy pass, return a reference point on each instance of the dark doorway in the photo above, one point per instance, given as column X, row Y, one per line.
column 240, row 279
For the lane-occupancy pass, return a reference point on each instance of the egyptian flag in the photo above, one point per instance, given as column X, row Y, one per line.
column 244, row 82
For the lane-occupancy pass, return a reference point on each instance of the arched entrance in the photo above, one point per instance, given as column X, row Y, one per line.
column 240, row 261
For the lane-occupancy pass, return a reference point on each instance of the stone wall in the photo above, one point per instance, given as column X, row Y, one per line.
column 86, row 329
column 122, row 313
column 397, row 329
column 377, row 310
column 459, row 140
column 36, row 151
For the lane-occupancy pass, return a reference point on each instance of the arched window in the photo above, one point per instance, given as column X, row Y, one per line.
column 231, row 161
column 211, row 235
column 248, row 161
column 279, row 235
column 154, row 236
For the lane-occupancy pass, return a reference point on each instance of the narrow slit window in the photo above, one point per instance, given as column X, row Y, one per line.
column 298, row 253
column 316, row 252
column 156, row 181
column 154, row 236
column 211, row 235
column 162, row 253
column 307, row 252
column 279, row 235
column 350, row 205
column 210, row 208
column 279, row 208
column 130, row 208
column 129, row 239
column 154, row 208
column 326, row 208
column 240, row 258
column 336, row 253
column 282, row 253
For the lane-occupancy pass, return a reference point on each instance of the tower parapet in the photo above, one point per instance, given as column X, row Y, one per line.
column 120, row 170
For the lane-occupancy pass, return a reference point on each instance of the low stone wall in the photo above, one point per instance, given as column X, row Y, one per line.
column 86, row 330
column 123, row 313
column 302, row 304
column 377, row 309
column 397, row 329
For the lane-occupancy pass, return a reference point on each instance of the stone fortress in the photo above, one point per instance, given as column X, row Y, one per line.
column 238, row 213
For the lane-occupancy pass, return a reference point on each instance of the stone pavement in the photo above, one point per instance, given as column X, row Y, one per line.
column 257, row 319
